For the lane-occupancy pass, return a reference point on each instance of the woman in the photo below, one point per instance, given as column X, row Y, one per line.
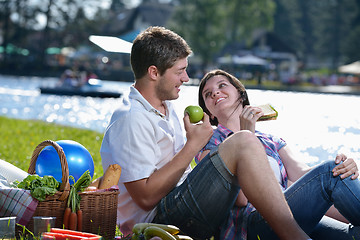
column 224, row 99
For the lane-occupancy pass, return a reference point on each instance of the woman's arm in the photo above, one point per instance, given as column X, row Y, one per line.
column 294, row 167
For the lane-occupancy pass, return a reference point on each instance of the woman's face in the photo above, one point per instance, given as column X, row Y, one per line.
column 220, row 96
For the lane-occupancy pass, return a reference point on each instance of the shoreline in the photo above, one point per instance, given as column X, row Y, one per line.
column 330, row 89
column 326, row 89
column 308, row 88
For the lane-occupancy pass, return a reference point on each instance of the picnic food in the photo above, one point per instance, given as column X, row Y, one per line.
column 154, row 230
column 269, row 112
column 66, row 217
column 73, row 221
column 140, row 227
column 95, row 183
column 40, row 187
column 61, row 234
column 196, row 113
column 98, row 207
column 79, row 219
column 111, row 177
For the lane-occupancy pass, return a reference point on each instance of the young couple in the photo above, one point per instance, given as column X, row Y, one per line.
column 157, row 184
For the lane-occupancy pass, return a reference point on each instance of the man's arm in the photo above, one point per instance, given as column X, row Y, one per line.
column 149, row 191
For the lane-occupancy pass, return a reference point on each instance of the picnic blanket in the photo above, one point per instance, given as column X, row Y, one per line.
column 16, row 202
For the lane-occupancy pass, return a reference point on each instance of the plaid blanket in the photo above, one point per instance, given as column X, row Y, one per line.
column 17, row 202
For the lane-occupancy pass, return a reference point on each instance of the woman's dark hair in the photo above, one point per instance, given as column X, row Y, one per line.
column 243, row 97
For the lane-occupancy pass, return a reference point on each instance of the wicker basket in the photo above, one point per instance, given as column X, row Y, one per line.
column 99, row 208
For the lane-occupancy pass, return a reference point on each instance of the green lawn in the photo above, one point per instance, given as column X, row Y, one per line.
column 18, row 139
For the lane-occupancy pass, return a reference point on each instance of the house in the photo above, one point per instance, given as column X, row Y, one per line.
column 281, row 59
column 268, row 45
column 130, row 22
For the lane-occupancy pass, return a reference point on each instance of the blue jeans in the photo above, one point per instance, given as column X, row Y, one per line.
column 203, row 201
column 309, row 198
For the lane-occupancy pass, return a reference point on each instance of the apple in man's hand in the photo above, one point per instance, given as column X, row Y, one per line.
column 196, row 113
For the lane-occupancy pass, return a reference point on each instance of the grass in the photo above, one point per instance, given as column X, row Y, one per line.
column 19, row 138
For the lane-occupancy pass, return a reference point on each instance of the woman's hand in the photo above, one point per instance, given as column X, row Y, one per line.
column 345, row 169
column 249, row 116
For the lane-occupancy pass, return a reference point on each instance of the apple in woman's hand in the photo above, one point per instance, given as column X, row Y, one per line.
column 196, row 113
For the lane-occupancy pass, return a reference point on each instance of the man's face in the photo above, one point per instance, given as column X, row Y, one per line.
column 168, row 86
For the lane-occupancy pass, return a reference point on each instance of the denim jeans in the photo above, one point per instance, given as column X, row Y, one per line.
column 203, row 201
column 309, row 198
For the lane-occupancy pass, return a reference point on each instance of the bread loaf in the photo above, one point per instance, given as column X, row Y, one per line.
column 111, row 176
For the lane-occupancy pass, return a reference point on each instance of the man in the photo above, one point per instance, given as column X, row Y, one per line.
column 145, row 138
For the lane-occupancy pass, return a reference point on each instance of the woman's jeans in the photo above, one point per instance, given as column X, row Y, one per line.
column 309, row 198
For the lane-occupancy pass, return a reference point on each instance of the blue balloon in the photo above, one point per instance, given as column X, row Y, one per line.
column 78, row 158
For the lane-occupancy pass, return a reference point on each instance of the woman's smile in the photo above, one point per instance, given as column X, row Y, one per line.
column 220, row 99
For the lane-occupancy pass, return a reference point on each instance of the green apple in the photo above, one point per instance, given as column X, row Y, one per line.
column 196, row 113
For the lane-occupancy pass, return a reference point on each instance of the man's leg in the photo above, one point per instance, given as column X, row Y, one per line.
column 245, row 157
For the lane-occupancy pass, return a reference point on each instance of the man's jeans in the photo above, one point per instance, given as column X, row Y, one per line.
column 203, row 201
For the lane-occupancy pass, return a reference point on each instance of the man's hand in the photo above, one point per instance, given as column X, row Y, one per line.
column 198, row 134
column 345, row 169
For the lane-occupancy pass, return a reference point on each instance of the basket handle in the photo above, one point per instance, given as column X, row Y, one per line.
column 65, row 185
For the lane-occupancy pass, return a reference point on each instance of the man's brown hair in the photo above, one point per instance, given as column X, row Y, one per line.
column 157, row 46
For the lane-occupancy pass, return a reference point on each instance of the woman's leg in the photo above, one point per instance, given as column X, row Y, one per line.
column 314, row 193
column 203, row 201
column 310, row 197
column 331, row 229
column 245, row 157
column 326, row 229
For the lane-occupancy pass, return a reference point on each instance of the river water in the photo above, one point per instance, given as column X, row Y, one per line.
column 316, row 126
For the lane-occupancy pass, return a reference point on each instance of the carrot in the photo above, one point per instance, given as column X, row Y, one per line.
column 66, row 217
column 79, row 220
column 73, row 221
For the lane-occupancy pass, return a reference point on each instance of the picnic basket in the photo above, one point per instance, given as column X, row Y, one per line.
column 99, row 207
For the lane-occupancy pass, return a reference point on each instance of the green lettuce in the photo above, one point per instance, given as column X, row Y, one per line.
column 40, row 187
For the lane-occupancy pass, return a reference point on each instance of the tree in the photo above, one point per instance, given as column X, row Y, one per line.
column 208, row 25
column 333, row 23
column 351, row 42
column 6, row 16
column 322, row 31
column 291, row 22
column 116, row 6
column 245, row 16
column 202, row 24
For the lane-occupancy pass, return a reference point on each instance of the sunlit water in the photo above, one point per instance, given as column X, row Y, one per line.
column 315, row 125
